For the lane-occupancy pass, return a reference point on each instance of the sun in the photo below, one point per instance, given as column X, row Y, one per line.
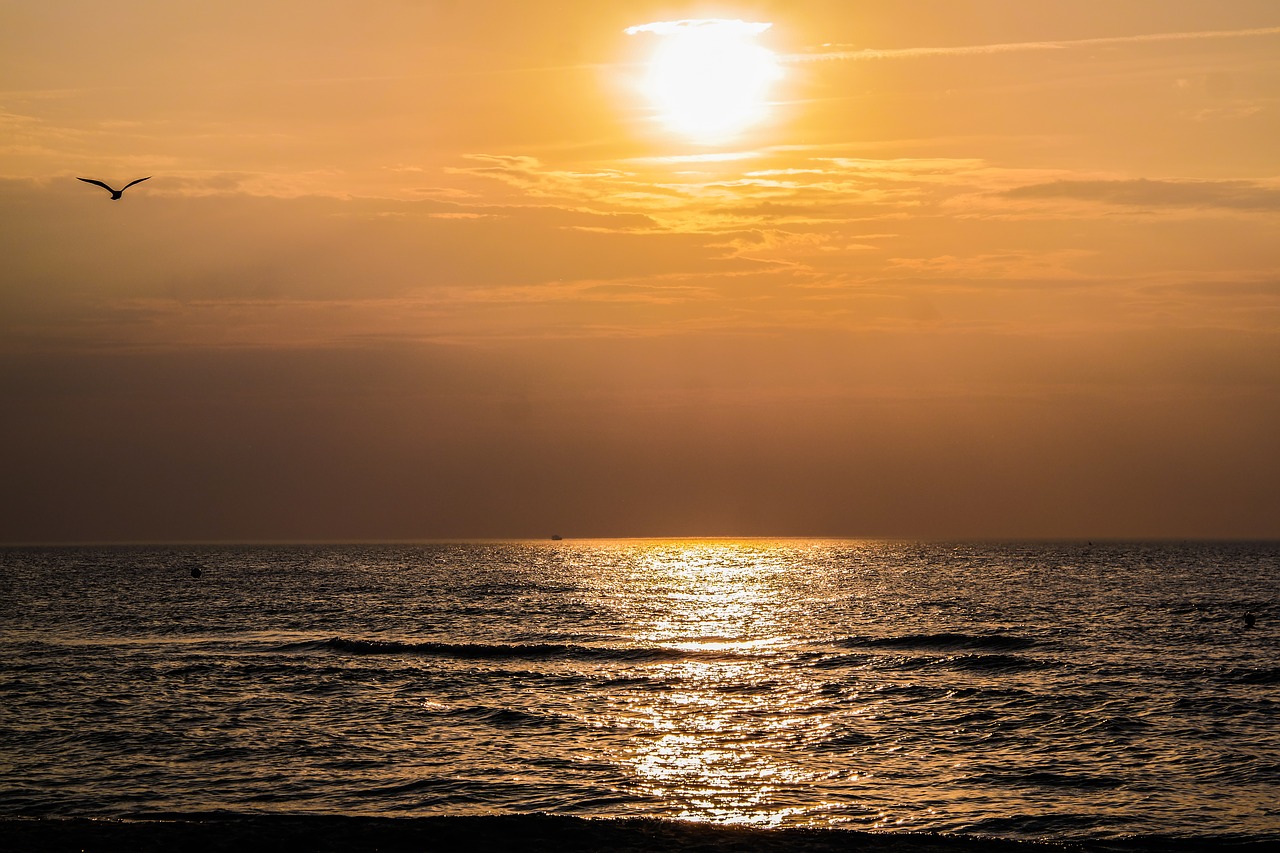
column 708, row 79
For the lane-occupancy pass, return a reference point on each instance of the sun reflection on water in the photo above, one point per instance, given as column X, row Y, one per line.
column 714, row 759
column 718, row 744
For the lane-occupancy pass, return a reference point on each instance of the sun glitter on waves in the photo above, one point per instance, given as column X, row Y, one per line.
column 707, row 78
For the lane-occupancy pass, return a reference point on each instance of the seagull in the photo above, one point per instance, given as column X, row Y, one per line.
column 115, row 194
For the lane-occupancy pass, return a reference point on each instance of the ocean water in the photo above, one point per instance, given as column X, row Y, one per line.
column 1032, row 691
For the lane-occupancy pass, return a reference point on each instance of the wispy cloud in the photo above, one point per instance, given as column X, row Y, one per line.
column 846, row 52
column 723, row 24
column 1236, row 195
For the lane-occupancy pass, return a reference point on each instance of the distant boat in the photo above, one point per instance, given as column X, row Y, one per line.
column 556, row 537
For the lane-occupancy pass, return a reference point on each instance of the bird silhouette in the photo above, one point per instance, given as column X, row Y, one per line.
column 115, row 194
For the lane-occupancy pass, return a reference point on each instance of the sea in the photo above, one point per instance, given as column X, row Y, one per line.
column 1069, row 691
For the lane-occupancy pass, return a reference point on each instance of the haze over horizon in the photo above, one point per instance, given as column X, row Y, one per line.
column 434, row 270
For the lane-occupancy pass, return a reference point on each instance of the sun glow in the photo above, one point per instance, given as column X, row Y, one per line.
column 708, row 80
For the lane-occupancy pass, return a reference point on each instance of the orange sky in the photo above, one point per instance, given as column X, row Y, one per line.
column 435, row 269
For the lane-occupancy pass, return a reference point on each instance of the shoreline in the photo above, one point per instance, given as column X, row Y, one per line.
column 528, row 833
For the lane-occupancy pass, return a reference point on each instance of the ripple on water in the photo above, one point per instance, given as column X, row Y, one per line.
column 1023, row 690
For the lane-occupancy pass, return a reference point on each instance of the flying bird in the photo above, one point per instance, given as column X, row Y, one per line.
column 115, row 194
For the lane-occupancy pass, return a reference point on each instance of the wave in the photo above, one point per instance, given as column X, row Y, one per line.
column 1047, row 779
column 994, row 663
column 910, row 663
column 1253, row 675
column 843, row 661
column 509, row 651
column 501, row 717
column 943, row 642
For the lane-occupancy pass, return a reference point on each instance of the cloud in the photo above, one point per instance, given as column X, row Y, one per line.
column 1234, row 195
column 714, row 196
column 204, row 263
column 988, row 267
column 837, row 52
column 664, row 28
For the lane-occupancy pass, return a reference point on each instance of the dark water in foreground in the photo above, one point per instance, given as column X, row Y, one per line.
column 1029, row 691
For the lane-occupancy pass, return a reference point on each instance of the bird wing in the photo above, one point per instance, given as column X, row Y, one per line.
column 131, row 183
column 96, row 183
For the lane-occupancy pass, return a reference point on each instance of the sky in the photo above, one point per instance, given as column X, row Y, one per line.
column 413, row 270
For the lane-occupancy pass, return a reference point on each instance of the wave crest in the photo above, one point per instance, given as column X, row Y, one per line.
column 942, row 642
column 508, row 651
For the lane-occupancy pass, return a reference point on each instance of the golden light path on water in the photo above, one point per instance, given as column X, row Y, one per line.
column 718, row 738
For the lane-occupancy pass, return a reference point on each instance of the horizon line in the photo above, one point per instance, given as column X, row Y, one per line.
column 463, row 540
